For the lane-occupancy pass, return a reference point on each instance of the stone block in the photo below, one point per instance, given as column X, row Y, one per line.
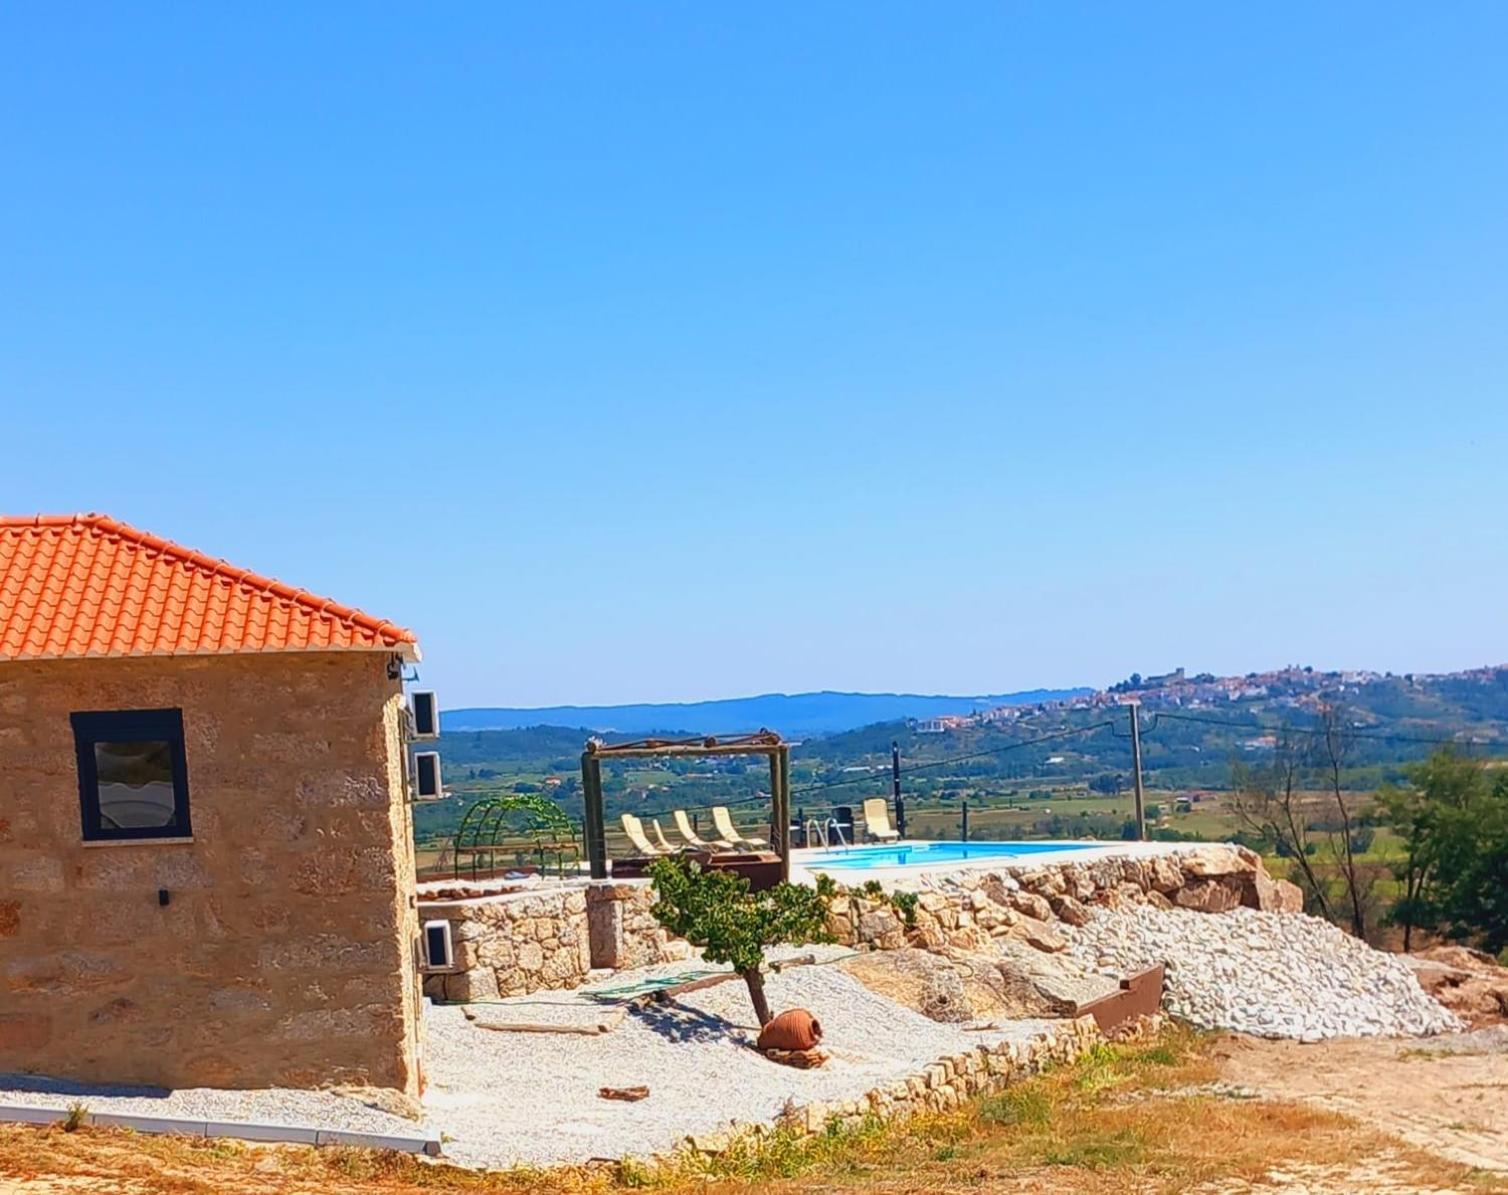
column 24, row 1031
column 1042, row 935
column 1070, row 911
column 1215, row 861
column 1032, row 905
column 40, row 874
column 334, row 790
column 1207, row 896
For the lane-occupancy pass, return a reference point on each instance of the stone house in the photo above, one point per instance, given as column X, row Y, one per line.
column 206, row 852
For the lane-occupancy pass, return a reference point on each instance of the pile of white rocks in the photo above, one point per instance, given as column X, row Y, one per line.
column 1267, row 974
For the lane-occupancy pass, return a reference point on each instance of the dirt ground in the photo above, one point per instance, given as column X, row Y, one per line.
column 1183, row 1113
column 1447, row 1095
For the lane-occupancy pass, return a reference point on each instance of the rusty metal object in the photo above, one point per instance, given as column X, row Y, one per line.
column 1140, row 996
column 628, row 1095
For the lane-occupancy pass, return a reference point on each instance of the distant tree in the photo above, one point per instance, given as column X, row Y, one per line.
column 716, row 911
column 1269, row 801
column 1335, row 744
column 1325, row 836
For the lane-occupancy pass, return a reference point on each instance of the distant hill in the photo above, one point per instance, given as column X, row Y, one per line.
column 792, row 714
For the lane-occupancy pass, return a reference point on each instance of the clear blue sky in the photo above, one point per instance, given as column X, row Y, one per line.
column 642, row 352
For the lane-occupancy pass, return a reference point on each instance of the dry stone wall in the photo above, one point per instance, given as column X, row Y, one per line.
column 968, row 909
column 941, row 1087
column 547, row 938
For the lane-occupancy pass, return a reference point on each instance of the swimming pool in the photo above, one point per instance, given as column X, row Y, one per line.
column 935, row 854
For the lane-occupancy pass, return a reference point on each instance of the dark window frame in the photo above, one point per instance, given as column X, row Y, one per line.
column 104, row 726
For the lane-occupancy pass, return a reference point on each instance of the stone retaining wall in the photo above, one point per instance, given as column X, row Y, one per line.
column 515, row 943
column 553, row 937
column 941, row 1087
column 967, row 909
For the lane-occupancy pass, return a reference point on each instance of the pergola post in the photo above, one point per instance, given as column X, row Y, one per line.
column 783, row 810
column 596, row 832
column 774, row 761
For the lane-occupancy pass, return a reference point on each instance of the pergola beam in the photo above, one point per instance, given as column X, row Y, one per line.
column 629, row 751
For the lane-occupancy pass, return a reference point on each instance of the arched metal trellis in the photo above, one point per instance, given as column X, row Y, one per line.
column 518, row 820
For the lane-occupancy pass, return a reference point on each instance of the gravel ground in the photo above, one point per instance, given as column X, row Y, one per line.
column 273, row 1105
column 504, row 1098
column 509, row 1098
column 1266, row 974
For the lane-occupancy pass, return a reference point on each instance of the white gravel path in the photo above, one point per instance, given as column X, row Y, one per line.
column 1267, row 974
column 508, row 1098
column 273, row 1105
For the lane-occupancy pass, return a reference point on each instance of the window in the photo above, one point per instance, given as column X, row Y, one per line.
column 133, row 774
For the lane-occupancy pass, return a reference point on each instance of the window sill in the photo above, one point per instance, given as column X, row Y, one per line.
column 104, row 842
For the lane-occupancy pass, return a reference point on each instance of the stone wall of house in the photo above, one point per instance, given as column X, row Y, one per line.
column 286, row 951
column 966, row 909
column 549, row 937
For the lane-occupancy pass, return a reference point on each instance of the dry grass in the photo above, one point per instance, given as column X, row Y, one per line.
column 1137, row 1118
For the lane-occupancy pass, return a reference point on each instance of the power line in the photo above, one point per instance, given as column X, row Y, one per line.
column 1318, row 733
column 942, row 763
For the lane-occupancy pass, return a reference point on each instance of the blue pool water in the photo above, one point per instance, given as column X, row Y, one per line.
column 935, row 854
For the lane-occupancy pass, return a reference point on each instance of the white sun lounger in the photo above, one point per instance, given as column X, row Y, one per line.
column 634, row 828
column 683, row 826
column 723, row 820
column 877, row 820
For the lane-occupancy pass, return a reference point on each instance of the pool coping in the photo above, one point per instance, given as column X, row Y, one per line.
column 803, row 870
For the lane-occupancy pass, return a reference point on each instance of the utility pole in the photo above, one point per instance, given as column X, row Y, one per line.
column 1141, row 798
column 895, row 788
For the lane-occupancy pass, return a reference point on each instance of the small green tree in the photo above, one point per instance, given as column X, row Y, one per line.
column 715, row 910
column 1479, row 897
column 1436, row 818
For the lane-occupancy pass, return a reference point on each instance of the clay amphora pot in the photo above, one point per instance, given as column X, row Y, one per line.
column 795, row 1029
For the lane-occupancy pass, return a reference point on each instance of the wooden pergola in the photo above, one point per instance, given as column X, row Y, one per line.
column 761, row 742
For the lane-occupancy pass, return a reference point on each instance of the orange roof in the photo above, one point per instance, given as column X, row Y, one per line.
column 84, row 585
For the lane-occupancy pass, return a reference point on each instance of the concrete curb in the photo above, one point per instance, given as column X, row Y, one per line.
column 280, row 1133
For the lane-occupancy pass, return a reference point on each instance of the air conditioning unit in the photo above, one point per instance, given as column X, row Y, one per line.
column 439, row 954
column 426, row 714
column 427, row 785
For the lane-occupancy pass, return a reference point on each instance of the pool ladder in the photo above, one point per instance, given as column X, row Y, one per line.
column 832, row 824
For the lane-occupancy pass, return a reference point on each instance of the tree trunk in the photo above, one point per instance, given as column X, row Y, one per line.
column 755, row 980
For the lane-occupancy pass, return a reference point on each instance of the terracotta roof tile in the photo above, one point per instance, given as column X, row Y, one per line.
column 86, row 585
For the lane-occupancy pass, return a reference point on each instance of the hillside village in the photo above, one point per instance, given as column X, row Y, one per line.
column 1297, row 688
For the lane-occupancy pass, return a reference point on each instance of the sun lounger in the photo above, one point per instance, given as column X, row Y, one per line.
column 683, row 826
column 723, row 820
column 634, row 828
column 877, row 820
column 660, row 837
